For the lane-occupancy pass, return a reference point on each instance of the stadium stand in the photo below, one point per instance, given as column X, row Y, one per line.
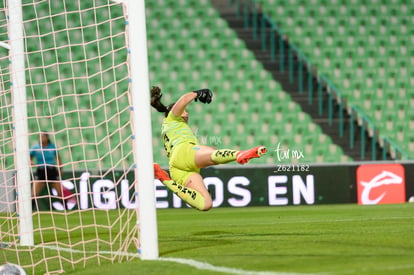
column 190, row 47
column 249, row 107
column 363, row 48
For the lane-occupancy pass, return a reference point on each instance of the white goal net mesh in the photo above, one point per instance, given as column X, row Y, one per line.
column 77, row 88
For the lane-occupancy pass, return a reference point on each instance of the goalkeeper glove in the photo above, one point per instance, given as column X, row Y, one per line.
column 204, row 95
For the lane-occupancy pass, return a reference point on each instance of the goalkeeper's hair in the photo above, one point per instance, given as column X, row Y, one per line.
column 156, row 101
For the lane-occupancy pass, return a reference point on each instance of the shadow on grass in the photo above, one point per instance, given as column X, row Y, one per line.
column 196, row 240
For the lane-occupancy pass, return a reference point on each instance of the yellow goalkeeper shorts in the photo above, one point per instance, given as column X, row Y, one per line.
column 182, row 164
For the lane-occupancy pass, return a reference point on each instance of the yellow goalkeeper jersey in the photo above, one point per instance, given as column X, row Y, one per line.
column 176, row 131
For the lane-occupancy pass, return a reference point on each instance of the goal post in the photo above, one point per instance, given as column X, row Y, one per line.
column 143, row 133
column 21, row 143
column 78, row 71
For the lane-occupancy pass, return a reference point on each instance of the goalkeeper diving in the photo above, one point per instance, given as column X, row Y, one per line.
column 186, row 156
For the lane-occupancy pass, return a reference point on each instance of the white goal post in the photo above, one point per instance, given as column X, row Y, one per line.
column 142, row 118
column 18, row 87
column 78, row 71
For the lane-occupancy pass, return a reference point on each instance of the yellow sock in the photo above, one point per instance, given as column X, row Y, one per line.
column 189, row 195
column 223, row 156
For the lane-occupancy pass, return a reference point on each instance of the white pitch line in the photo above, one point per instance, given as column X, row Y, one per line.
column 227, row 270
column 189, row 262
column 210, row 267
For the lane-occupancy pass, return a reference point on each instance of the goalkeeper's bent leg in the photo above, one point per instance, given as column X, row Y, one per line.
column 189, row 195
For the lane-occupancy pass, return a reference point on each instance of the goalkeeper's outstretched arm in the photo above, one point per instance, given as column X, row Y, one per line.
column 203, row 95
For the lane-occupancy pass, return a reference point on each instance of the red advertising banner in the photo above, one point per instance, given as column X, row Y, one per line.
column 380, row 183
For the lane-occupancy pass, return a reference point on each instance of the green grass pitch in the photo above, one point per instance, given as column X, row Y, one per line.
column 329, row 239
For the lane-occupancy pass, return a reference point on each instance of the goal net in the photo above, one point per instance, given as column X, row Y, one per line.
column 78, row 92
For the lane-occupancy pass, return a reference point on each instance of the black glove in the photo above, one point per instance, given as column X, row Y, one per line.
column 204, row 95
